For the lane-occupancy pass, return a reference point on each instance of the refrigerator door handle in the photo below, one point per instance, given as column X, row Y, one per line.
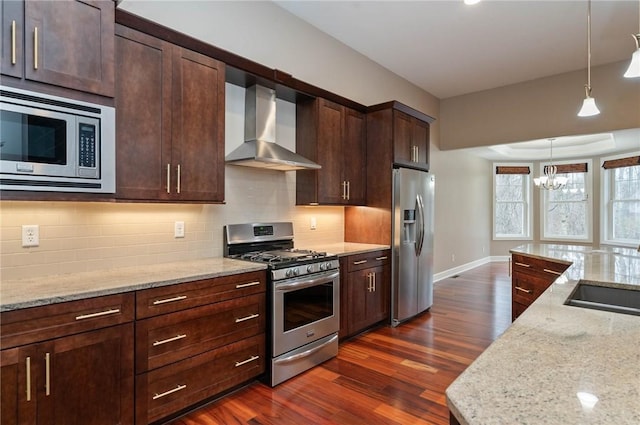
column 419, row 224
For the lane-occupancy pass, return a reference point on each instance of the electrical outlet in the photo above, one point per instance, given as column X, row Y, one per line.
column 178, row 229
column 30, row 235
column 313, row 224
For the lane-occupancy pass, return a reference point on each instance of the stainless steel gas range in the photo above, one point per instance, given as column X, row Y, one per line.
column 303, row 296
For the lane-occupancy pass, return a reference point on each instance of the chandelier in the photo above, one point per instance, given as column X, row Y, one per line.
column 550, row 181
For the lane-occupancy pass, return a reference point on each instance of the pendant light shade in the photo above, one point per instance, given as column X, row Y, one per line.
column 589, row 107
column 634, row 67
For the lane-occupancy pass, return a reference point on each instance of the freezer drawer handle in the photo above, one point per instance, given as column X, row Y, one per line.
column 171, row 391
column 552, row 272
column 249, row 360
column 355, row 263
column 527, row 291
column 522, row 264
column 170, row 300
column 249, row 317
column 164, row 341
column 246, row 285
column 98, row 314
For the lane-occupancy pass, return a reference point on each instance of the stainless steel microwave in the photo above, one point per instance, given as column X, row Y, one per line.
column 50, row 143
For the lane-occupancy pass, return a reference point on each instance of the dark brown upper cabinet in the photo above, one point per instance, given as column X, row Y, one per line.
column 63, row 43
column 169, row 121
column 334, row 136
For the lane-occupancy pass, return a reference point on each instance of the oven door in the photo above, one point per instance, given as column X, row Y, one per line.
column 305, row 309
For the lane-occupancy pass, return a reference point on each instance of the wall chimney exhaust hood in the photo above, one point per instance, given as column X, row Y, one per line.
column 259, row 149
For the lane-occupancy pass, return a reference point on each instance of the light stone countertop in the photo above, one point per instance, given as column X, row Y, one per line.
column 553, row 355
column 345, row 248
column 23, row 293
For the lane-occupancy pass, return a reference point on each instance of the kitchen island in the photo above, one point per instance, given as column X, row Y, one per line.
column 560, row 364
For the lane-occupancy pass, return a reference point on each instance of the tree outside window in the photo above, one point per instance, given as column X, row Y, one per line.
column 622, row 195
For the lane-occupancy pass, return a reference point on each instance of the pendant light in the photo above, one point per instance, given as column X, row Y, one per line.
column 589, row 107
column 550, row 181
column 634, row 67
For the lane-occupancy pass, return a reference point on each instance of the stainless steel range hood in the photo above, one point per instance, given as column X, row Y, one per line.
column 259, row 149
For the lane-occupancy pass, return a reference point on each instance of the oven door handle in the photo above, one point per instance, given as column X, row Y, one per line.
column 306, row 353
column 303, row 282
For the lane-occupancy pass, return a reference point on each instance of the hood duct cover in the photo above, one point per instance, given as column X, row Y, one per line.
column 259, row 149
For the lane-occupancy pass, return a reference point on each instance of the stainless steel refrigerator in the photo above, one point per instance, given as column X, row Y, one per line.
column 412, row 263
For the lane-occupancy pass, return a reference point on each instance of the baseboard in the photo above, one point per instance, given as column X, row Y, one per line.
column 468, row 266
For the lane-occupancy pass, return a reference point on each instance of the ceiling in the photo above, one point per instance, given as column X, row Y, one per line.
column 448, row 48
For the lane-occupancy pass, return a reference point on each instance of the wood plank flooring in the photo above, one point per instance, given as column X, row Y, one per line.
column 389, row 375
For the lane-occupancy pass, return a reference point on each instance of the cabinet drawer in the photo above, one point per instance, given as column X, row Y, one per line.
column 526, row 288
column 164, row 391
column 167, row 299
column 168, row 338
column 367, row 260
column 517, row 309
column 35, row 324
column 527, row 264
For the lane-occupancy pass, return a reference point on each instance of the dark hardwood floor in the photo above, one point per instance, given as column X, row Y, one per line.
column 389, row 375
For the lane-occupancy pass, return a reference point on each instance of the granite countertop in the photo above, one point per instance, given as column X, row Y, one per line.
column 23, row 293
column 559, row 364
column 346, row 248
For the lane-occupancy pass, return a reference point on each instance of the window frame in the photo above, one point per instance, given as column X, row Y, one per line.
column 606, row 209
column 588, row 207
column 528, row 201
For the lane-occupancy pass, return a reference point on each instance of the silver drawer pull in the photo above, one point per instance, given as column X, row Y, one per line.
column 381, row 258
column 522, row 264
column 98, row 314
column 164, row 341
column 528, row 291
column 170, row 300
column 249, row 360
column 246, row 285
column 249, row 317
column 171, row 391
column 552, row 272
column 359, row 262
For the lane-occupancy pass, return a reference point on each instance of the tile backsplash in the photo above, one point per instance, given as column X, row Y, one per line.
column 83, row 236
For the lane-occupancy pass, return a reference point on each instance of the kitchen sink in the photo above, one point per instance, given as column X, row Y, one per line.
column 617, row 300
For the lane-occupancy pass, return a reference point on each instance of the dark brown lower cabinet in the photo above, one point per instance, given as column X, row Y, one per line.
column 81, row 379
column 531, row 276
column 365, row 290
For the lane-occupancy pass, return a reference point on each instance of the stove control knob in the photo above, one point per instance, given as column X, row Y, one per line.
column 323, row 266
column 328, row 266
column 309, row 269
column 288, row 273
column 296, row 272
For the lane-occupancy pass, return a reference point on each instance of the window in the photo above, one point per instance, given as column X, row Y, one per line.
column 621, row 200
column 512, row 201
column 566, row 212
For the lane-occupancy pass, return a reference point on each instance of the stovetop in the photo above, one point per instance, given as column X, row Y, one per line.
column 286, row 257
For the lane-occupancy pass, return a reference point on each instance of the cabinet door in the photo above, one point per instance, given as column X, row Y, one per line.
column 420, row 139
column 12, row 27
column 378, row 301
column 18, row 386
column 330, row 153
column 71, row 44
column 198, row 127
column 143, row 115
column 90, row 378
column 402, row 136
column 354, row 154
